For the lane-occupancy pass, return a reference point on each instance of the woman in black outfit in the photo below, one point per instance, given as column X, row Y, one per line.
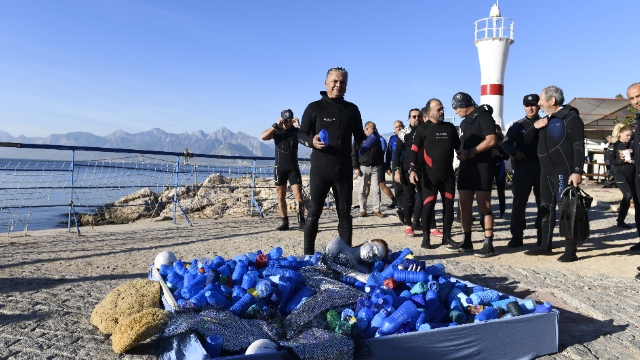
column 499, row 172
column 623, row 173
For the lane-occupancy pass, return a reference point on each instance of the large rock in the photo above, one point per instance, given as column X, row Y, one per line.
column 142, row 193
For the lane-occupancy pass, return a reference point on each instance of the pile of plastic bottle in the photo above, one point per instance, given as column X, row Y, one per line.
column 401, row 294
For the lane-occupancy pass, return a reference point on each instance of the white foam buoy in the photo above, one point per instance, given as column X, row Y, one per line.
column 164, row 258
column 262, row 346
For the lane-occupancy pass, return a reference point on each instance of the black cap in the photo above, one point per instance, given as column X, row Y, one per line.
column 531, row 99
column 286, row 114
column 462, row 100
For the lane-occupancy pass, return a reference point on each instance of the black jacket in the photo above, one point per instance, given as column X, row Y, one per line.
column 561, row 142
column 514, row 142
column 474, row 128
column 403, row 146
column 342, row 120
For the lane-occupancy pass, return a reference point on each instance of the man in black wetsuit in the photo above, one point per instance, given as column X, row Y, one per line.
column 526, row 170
column 436, row 141
column 478, row 131
column 561, row 154
column 285, row 137
column 401, row 175
column 330, row 162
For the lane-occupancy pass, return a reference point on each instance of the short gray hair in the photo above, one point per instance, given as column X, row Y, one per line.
column 554, row 92
column 338, row 69
column 632, row 85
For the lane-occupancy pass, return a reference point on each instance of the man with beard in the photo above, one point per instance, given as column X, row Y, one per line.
column 401, row 174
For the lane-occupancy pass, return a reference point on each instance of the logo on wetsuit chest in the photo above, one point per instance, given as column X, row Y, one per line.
column 329, row 119
column 443, row 135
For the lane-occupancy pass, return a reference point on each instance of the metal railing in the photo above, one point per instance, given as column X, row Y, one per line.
column 494, row 27
column 102, row 184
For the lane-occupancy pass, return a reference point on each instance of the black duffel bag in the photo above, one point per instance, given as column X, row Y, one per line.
column 574, row 219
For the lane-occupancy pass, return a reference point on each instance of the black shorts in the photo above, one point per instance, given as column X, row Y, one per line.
column 281, row 176
column 475, row 176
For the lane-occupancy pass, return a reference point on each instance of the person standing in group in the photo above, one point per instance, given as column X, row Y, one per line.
column 526, row 170
column 369, row 168
column 327, row 127
column 498, row 156
column 478, row 132
column 624, row 172
column 436, row 142
column 561, row 153
column 390, row 166
column 285, row 137
column 633, row 94
column 401, row 175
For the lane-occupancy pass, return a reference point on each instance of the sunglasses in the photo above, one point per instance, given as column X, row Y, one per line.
column 415, row 116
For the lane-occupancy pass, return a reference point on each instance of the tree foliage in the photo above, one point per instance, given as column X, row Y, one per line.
column 627, row 119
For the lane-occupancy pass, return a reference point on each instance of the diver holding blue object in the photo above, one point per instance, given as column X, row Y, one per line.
column 330, row 161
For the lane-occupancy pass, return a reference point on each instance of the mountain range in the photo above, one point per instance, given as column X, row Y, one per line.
column 220, row 142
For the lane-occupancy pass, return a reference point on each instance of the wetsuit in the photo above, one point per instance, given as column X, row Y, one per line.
column 331, row 166
column 561, row 154
column 476, row 173
column 390, row 165
column 403, row 147
column 623, row 173
column 500, row 176
column 436, row 144
column 286, row 144
column 526, row 175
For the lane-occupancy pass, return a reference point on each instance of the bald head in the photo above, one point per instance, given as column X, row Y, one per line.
column 633, row 94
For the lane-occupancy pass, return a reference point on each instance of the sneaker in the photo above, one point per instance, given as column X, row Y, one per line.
column 426, row 243
column 623, row 225
column 400, row 214
column 461, row 248
column 568, row 257
column 436, row 232
column 393, row 204
column 408, row 232
column 635, row 247
column 378, row 214
column 487, row 251
column 363, row 214
column 448, row 242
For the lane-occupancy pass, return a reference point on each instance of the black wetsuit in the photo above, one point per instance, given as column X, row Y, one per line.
column 500, row 176
column 286, row 144
column 403, row 147
column 390, row 165
column 624, row 174
column 476, row 173
column 561, row 153
column 436, row 143
column 331, row 166
column 526, row 174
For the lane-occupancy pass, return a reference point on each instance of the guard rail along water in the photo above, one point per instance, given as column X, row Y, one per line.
column 117, row 185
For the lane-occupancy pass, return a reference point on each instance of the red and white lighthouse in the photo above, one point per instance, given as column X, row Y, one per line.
column 493, row 37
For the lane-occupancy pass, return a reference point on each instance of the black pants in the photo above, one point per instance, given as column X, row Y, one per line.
column 430, row 189
column 342, row 192
column 624, row 181
column 398, row 192
column 553, row 181
column 409, row 198
column 500, row 176
column 526, row 175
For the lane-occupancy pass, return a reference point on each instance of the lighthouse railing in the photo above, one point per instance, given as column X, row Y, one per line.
column 494, row 27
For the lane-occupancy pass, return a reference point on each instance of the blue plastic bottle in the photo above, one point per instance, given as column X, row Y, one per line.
column 462, row 297
column 543, row 308
column 324, row 136
column 237, row 293
column 489, row 313
column 213, row 345
column 217, row 300
column 249, row 279
column 239, row 271
column 275, row 253
column 372, row 140
column 502, row 304
column 375, row 279
column 243, row 304
column 388, row 271
column 484, row 297
column 378, row 318
column 401, row 257
column 392, row 322
column 435, row 269
column 297, row 299
column 528, row 306
column 263, row 287
column 199, row 300
column 193, row 287
column 410, row 276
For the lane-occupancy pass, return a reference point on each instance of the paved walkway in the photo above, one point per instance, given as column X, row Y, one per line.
column 50, row 281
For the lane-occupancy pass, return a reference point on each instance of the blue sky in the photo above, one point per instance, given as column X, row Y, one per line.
column 183, row 66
